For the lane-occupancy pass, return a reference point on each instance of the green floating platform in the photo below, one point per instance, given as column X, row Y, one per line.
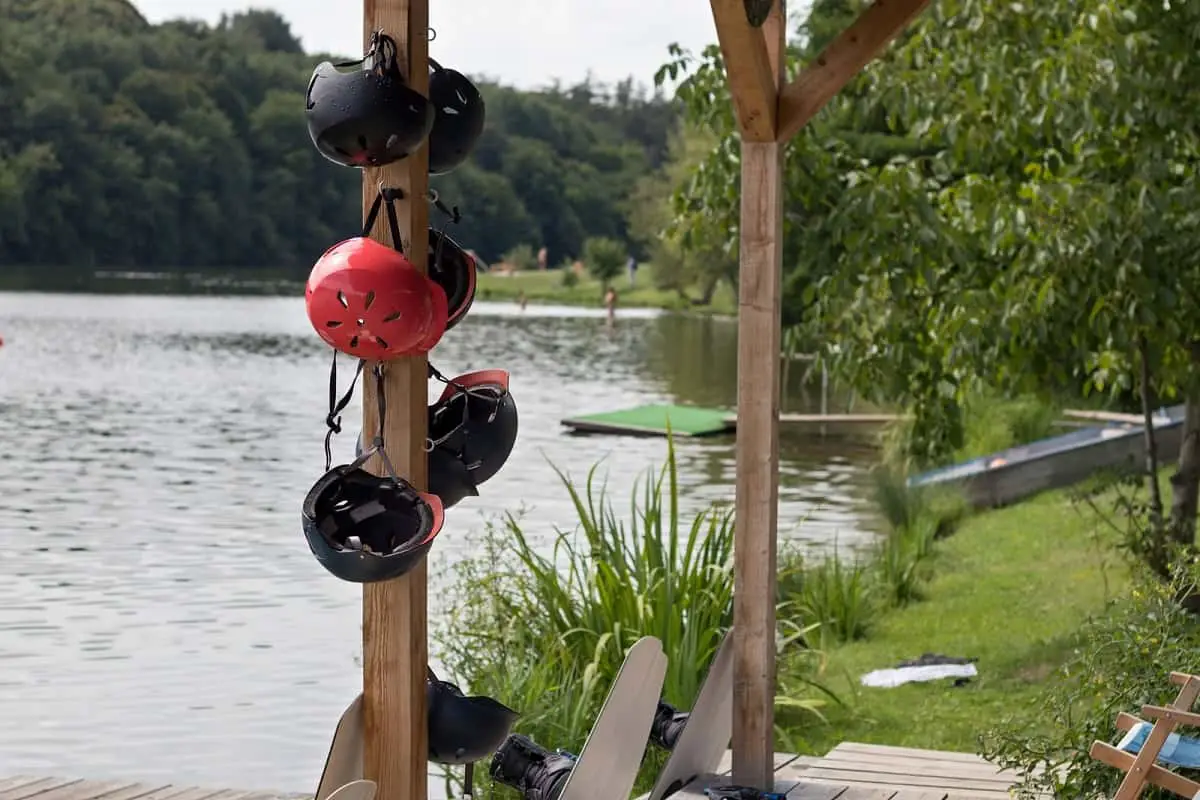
column 653, row 420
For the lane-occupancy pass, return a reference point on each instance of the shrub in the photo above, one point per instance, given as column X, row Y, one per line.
column 1122, row 661
column 569, row 279
column 604, row 258
column 521, row 257
column 990, row 423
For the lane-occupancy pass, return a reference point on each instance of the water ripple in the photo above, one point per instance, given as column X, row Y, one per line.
column 157, row 593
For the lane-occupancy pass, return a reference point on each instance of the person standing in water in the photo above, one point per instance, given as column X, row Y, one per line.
column 610, row 303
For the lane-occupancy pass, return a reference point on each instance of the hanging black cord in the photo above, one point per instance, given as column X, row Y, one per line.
column 377, row 442
column 387, row 197
column 333, row 420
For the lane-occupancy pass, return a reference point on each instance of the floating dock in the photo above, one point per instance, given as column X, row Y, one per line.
column 653, row 420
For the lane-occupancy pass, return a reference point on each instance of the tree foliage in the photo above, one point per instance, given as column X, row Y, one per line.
column 184, row 145
column 604, row 258
column 1006, row 197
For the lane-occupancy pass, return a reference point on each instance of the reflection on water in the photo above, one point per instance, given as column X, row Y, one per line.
column 157, row 594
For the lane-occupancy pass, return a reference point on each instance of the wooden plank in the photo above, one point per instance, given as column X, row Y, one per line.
column 38, row 788
column 138, row 791
column 840, row 61
column 86, row 790
column 757, row 484
column 16, row 781
column 919, row 794
column 919, row 766
column 1189, row 718
column 906, row 752
column 859, row 793
column 780, row 761
column 394, row 614
column 184, row 793
column 748, row 68
column 806, row 790
column 901, row 780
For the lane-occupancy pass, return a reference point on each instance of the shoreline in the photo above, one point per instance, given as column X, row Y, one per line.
column 547, row 287
column 539, row 288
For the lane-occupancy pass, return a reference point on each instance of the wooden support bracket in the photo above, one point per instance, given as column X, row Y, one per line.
column 748, row 69
column 840, row 61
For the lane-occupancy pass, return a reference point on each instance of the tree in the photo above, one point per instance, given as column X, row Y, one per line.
column 603, row 258
column 183, row 144
column 1044, row 230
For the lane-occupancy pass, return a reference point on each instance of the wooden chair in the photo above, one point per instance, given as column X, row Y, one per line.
column 1141, row 769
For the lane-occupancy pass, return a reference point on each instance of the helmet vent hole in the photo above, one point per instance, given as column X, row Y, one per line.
column 380, row 341
column 353, row 342
column 392, row 317
column 369, row 300
column 361, row 322
column 341, row 298
column 333, row 323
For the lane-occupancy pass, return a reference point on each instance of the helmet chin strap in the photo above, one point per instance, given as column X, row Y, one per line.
column 333, row 420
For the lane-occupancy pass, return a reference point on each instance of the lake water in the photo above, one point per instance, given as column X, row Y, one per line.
column 160, row 614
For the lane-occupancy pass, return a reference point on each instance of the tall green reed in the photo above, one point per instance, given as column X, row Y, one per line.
column 546, row 632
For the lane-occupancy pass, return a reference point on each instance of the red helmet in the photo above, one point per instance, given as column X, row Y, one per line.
column 367, row 300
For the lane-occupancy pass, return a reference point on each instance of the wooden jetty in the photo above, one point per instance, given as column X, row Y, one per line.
column 850, row 771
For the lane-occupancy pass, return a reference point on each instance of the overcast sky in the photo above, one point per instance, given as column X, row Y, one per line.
column 525, row 43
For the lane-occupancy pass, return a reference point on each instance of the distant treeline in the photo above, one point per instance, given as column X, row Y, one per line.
column 183, row 145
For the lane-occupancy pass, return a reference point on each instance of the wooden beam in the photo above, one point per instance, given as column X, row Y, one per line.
column 840, row 61
column 394, row 624
column 757, row 500
column 748, row 67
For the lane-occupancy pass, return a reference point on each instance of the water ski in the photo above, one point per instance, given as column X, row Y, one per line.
column 706, row 733
column 355, row 790
column 607, row 766
column 344, row 764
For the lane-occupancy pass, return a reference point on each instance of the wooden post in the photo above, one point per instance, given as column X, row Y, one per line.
column 757, row 510
column 395, row 650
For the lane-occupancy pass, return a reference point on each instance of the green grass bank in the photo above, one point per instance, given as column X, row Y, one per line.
column 1011, row 587
column 548, row 287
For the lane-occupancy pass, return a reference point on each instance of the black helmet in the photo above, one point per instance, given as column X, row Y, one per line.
column 449, row 479
column 364, row 528
column 463, row 730
column 458, row 118
column 472, row 430
column 370, row 116
column 454, row 270
column 475, row 420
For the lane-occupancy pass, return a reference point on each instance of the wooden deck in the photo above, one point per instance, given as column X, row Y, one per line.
column 848, row 772
column 876, row 772
column 23, row 787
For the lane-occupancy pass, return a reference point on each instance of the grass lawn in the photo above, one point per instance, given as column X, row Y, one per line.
column 547, row 287
column 1011, row 588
